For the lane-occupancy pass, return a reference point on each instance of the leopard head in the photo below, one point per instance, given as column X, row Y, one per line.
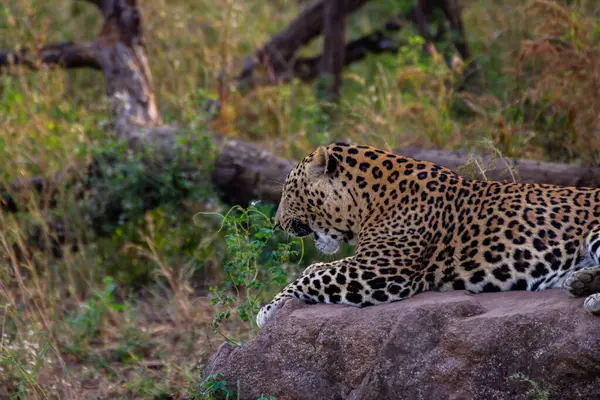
column 316, row 200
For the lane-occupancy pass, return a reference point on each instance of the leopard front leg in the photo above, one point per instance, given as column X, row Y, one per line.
column 341, row 282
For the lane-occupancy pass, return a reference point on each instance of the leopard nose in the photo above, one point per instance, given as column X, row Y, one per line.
column 299, row 228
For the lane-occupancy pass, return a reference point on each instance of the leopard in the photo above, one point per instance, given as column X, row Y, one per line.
column 418, row 226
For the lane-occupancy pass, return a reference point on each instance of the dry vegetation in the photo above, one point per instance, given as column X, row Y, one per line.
column 127, row 314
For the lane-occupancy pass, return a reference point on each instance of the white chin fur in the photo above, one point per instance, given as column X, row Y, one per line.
column 326, row 244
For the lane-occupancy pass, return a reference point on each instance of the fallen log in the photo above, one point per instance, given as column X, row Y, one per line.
column 527, row 171
column 244, row 172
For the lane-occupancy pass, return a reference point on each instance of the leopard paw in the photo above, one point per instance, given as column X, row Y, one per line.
column 592, row 304
column 583, row 282
column 268, row 311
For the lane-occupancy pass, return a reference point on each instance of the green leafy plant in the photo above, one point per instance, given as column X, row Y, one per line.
column 214, row 387
column 87, row 322
column 254, row 266
column 536, row 390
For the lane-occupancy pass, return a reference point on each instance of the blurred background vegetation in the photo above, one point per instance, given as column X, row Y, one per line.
column 129, row 313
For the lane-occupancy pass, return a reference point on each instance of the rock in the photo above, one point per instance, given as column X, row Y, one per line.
column 449, row 345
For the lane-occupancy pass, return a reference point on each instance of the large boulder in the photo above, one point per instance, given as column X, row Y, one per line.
column 449, row 345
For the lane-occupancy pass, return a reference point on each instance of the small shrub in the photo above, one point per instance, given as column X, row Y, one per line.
column 126, row 183
column 254, row 266
column 89, row 319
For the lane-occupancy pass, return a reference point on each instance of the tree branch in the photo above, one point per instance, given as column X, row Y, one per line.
column 66, row 55
column 332, row 60
column 307, row 68
column 105, row 6
column 278, row 53
column 277, row 57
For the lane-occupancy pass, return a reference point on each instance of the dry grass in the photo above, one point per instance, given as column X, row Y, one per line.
column 562, row 68
column 549, row 108
column 66, row 332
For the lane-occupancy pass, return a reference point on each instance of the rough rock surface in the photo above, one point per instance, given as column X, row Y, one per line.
column 449, row 345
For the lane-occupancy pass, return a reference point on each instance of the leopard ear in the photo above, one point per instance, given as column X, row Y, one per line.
column 322, row 163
